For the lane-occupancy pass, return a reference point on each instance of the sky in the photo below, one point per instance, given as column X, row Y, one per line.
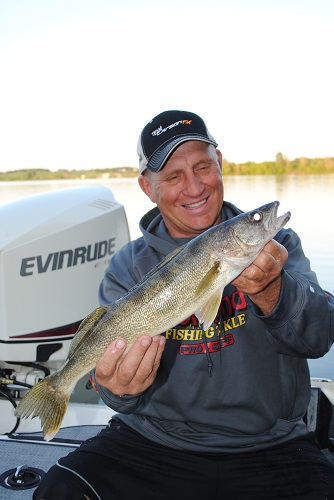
column 79, row 79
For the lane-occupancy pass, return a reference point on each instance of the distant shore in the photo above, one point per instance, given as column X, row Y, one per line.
column 282, row 166
column 41, row 174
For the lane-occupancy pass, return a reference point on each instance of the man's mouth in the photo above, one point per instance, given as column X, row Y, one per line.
column 196, row 205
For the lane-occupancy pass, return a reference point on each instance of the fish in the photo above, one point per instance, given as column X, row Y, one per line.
column 190, row 280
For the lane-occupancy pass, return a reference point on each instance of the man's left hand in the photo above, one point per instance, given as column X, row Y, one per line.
column 261, row 281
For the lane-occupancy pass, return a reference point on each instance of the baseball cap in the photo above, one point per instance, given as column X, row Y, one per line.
column 164, row 133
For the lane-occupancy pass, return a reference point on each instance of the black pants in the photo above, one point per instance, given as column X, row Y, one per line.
column 119, row 464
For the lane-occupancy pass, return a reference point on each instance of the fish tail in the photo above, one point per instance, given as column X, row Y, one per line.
column 47, row 402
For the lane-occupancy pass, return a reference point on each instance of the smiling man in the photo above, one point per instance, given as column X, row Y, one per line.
column 215, row 414
column 189, row 190
column 187, row 185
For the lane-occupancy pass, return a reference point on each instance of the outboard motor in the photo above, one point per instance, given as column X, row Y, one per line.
column 54, row 249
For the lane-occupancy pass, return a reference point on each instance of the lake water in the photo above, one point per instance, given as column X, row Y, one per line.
column 309, row 199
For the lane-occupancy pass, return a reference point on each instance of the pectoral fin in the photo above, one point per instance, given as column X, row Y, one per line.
column 208, row 279
column 207, row 313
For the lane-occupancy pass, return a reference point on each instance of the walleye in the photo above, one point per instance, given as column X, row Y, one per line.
column 190, row 280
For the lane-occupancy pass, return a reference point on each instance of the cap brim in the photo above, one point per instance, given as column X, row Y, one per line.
column 159, row 157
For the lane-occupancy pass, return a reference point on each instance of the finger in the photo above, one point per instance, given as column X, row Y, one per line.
column 151, row 360
column 259, row 274
column 143, row 360
column 131, row 363
column 106, row 366
column 278, row 251
column 262, row 266
column 146, row 373
column 161, row 346
column 269, row 262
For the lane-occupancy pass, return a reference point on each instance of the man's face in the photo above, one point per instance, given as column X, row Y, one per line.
column 188, row 190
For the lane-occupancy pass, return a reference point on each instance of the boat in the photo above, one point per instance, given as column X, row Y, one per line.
column 54, row 249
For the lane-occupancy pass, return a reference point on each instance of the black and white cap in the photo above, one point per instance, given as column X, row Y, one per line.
column 164, row 133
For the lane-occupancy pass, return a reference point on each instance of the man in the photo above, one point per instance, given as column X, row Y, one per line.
column 226, row 424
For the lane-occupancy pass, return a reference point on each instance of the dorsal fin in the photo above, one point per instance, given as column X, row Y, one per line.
column 159, row 266
column 87, row 324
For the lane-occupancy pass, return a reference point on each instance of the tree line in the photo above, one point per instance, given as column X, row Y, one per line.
column 281, row 166
column 43, row 174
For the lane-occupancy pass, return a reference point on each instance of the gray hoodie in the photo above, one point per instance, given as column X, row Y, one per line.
column 244, row 383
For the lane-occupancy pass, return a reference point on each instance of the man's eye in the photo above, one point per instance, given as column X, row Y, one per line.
column 204, row 168
column 173, row 178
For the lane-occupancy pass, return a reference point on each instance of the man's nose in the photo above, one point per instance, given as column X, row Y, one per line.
column 194, row 185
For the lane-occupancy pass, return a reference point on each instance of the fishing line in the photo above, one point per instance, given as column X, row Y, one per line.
column 207, row 352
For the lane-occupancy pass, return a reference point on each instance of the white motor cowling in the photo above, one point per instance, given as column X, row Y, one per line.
column 54, row 249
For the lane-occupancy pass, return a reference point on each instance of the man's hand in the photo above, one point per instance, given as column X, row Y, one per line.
column 261, row 281
column 136, row 371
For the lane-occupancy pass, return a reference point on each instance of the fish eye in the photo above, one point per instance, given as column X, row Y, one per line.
column 256, row 216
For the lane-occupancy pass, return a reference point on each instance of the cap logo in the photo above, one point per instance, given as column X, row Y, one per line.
column 161, row 130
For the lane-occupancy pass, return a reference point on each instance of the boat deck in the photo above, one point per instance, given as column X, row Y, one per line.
column 29, row 448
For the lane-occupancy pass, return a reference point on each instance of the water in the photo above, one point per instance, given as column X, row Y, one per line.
column 308, row 198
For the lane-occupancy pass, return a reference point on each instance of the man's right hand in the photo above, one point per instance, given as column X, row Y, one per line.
column 136, row 371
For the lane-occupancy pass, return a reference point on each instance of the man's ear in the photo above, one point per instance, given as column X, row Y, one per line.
column 220, row 157
column 145, row 186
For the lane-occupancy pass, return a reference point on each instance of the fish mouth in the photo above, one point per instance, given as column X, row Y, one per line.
column 274, row 223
